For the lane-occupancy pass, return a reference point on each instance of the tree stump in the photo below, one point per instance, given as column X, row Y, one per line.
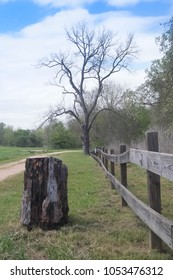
column 45, row 201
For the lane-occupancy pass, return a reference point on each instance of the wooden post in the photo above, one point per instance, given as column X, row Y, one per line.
column 154, row 195
column 112, row 167
column 98, row 152
column 106, row 160
column 44, row 201
column 103, row 157
column 123, row 172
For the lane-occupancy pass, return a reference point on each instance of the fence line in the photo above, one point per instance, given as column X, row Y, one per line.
column 157, row 164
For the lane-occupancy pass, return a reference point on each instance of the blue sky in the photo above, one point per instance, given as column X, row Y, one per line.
column 16, row 14
column 32, row 29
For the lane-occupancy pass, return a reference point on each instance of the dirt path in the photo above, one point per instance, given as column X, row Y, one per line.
column 13, row 168
column 7, row 170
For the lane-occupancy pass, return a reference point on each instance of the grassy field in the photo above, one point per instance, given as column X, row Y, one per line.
column 9, row 154
column 98, row 228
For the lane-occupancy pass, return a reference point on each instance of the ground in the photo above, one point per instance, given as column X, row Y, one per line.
column 16, row 167
column 9, row 169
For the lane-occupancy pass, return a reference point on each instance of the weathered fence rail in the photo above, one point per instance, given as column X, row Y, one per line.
column 156, row 164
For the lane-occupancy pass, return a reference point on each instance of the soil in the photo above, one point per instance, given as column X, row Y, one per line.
column 14, row 168
column 9, row 169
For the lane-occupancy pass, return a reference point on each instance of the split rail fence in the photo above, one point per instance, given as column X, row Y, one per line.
column 157, row 164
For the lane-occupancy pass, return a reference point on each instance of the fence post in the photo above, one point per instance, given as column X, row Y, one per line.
column 112, row 167
column 154, row 196
column 102, row 156
column 106, row 160
column 123, row 172
column 99, row 153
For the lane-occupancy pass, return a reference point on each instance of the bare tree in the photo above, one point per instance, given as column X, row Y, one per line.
column 82, row 72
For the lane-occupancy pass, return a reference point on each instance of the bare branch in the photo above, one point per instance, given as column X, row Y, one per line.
column 106, row 109
column 97, row 57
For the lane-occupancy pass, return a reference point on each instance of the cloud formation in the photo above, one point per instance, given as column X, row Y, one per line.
column 77, row 3
column 122, row 3
column 64, row 3
column 25, row 92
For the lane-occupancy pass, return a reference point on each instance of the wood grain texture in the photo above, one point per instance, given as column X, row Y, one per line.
column 121, row 158
column 154, row 193
column 160, row 225
column 158, row 163
column 45, row 201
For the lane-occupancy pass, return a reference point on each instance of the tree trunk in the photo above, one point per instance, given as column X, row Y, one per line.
column 44, row 201
column 86, row 140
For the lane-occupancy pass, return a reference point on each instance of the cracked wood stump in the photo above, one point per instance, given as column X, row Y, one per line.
column 45, row 201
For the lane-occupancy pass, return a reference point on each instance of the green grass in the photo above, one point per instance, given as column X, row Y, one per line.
column 9, row 154
column 98, row 228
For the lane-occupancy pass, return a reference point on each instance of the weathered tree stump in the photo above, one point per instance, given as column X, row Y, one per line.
column 45, row 201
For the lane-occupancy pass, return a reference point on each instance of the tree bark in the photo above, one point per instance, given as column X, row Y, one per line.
column 45, row 201
column 86, row 140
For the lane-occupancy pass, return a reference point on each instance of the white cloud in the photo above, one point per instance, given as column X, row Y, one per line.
column 64, row 3
column 124, row 3
column 75, row 3
column 121, row 3
column 23, row 86
column 25, row 94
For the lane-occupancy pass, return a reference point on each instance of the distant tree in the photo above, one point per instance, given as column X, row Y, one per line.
column 126, row 122
column 27, row 138
column 136, row 116
column 39, row 134
column 34, row 139
column 8, row 139
column 21, row 137
column 74, row 129
column 60, row 136
column 157, row 91
column 109, row 121
column 2, row 131
column 83, row 72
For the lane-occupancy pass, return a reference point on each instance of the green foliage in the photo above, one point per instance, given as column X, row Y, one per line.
column 55, row 136
column 2, row 130
column 137, row 118
column 61, row 137
column 125, row 123
column 8, row 137
column 26, row 138
column 158, row 88
column 19, row 137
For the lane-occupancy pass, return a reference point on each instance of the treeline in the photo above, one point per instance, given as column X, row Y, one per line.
column 55, row 135
column 157, row 91
column 125, row 121
column 19, row 137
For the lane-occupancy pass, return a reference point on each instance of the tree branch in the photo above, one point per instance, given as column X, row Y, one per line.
column 105, row 109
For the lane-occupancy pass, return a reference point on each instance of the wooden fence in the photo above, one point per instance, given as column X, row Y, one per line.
column 157, row 164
